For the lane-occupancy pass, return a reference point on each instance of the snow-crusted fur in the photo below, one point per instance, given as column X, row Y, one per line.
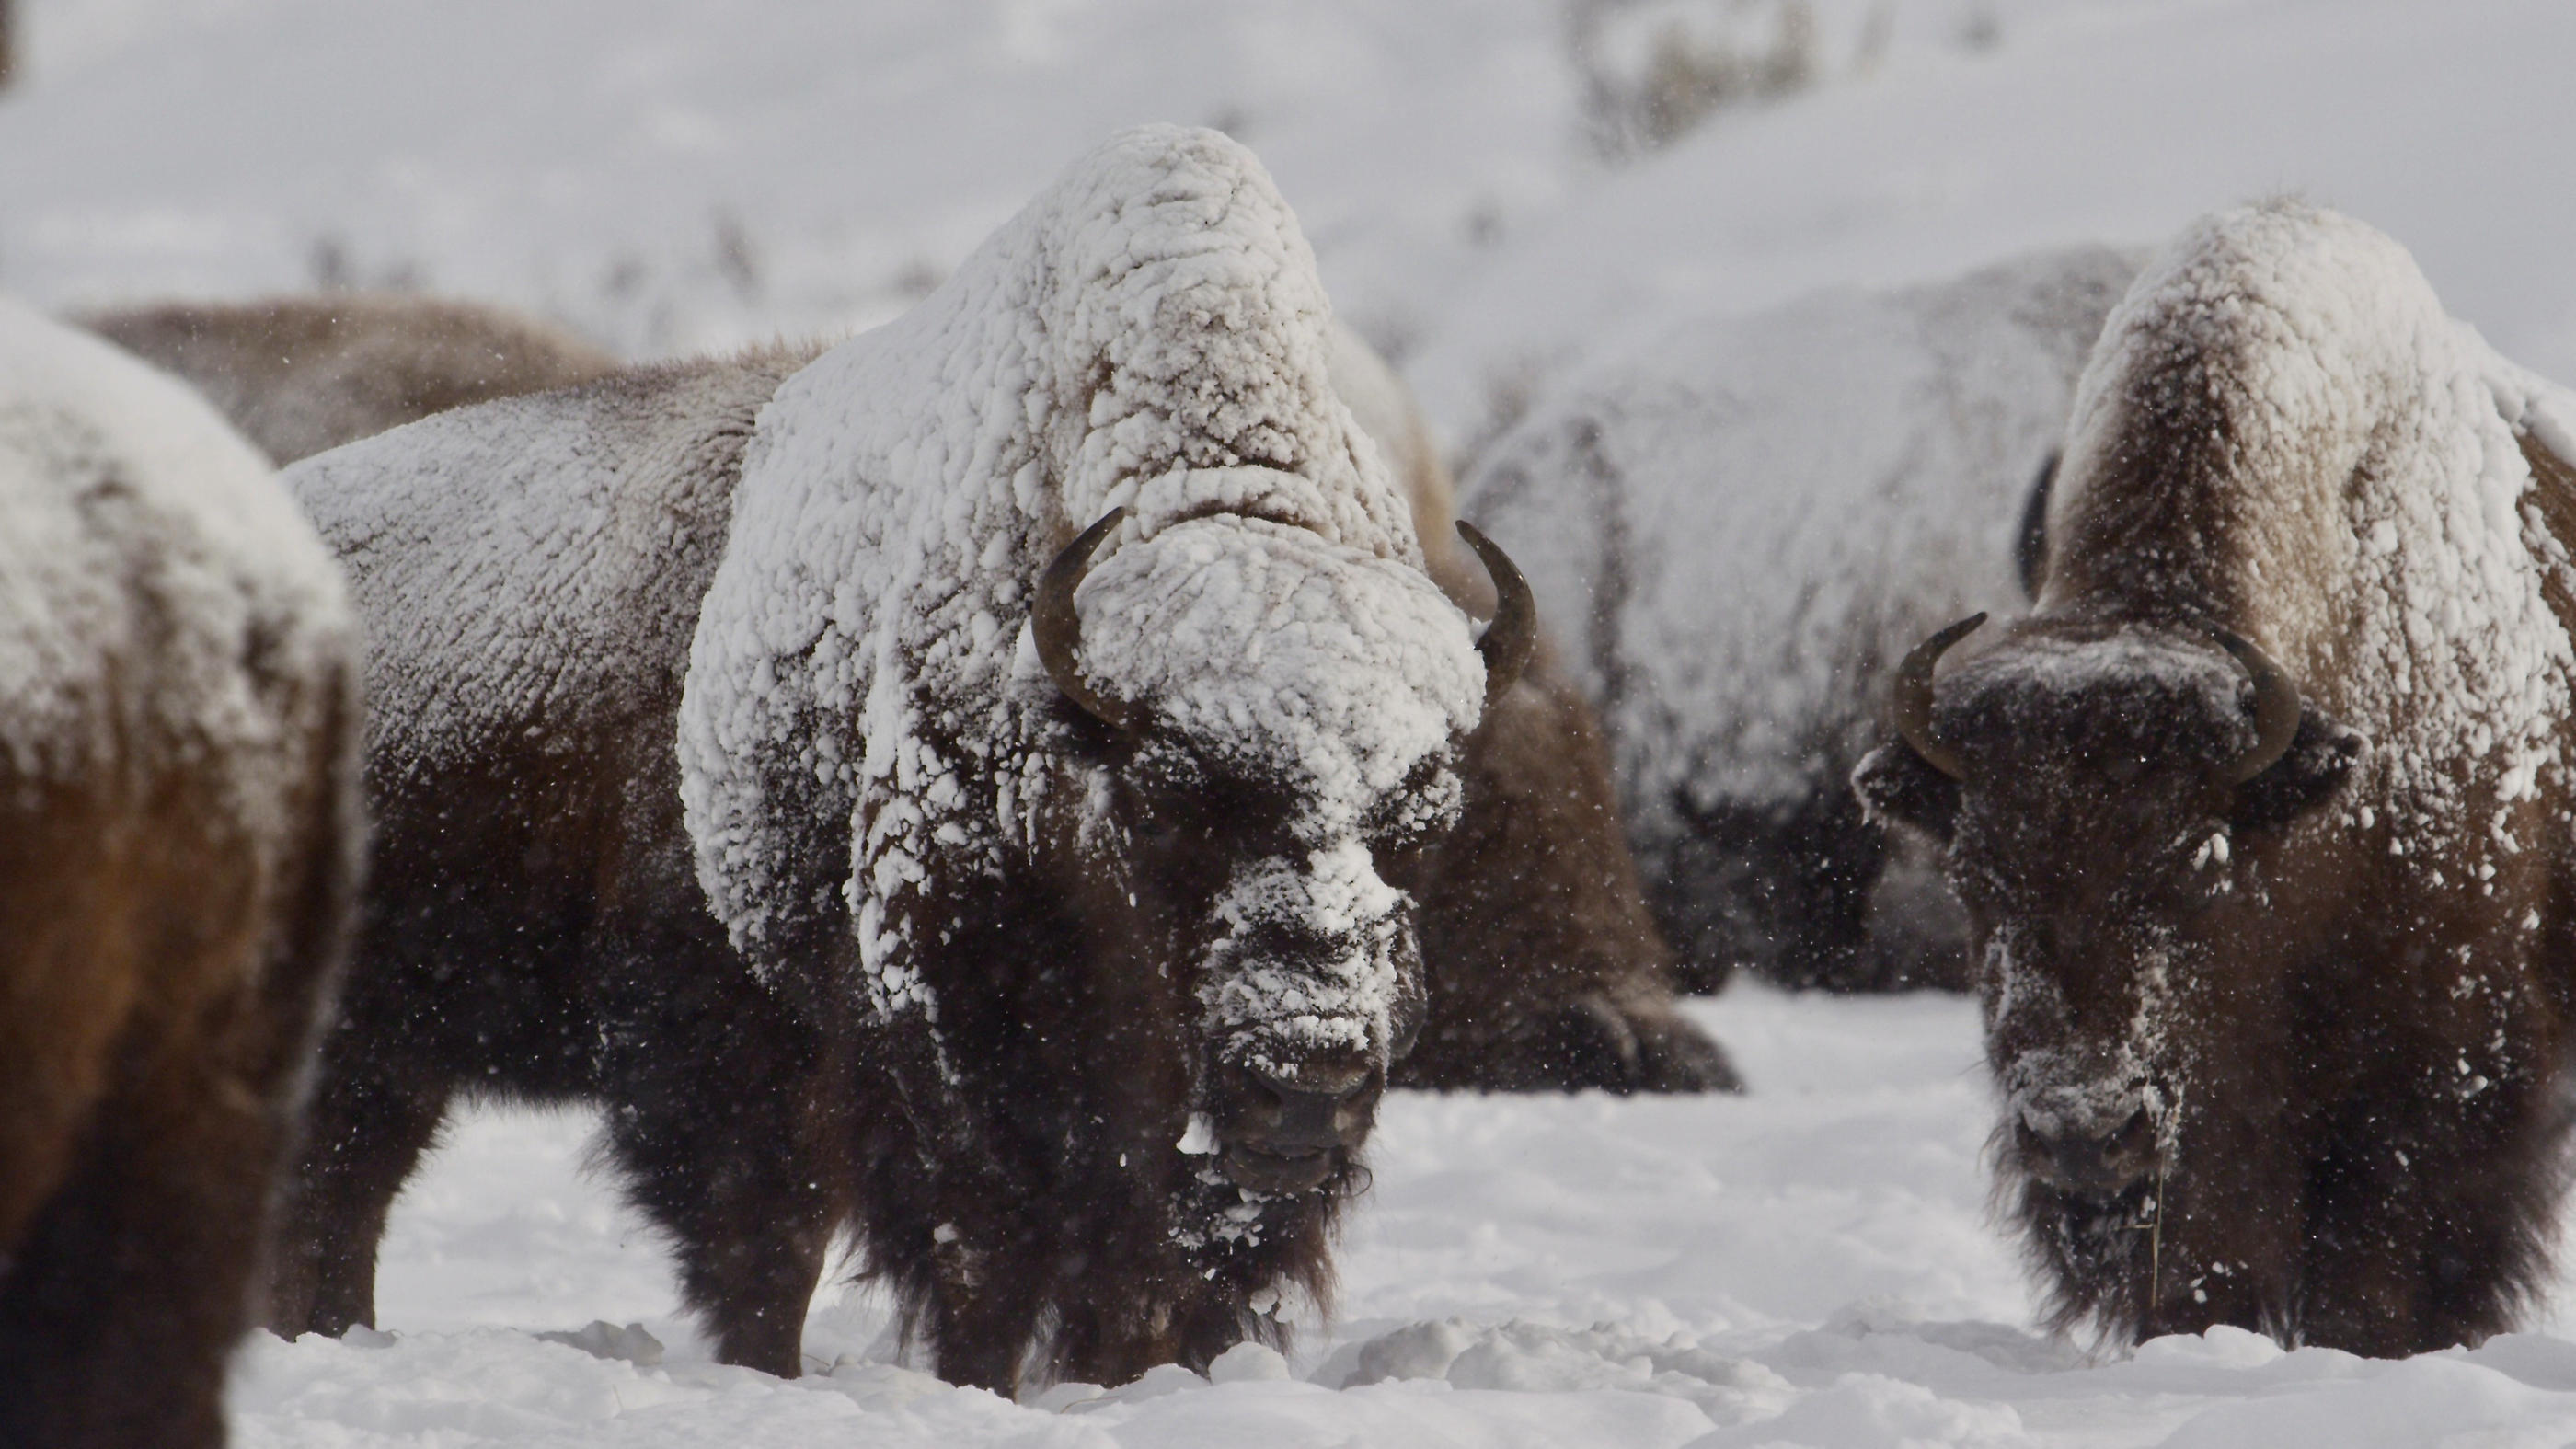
column 1736, row 527
column 301, row 374
column 179, row 728
column 530, row 571
column 2288, row 1055
column 1086, row 951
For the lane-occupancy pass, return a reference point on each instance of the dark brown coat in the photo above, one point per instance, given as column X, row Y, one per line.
column 2277, row 956
column 533, row 926
column 301, row 374
column 1545, row 968
column 179, row 833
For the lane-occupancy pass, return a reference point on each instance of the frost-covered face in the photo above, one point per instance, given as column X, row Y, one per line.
column 1254, row 806
column 2096, row 839
column 1287, row 933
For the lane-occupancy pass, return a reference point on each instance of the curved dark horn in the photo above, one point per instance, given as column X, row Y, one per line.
column 2276, row 707
column 1909, row 705
column 1057, row 628
column 1513, row 635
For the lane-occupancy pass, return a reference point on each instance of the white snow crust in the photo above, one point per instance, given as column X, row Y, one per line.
column 146, row 556
column 2381, row 538
column 1738, row 526
column 535, row 558
column 1148, row 333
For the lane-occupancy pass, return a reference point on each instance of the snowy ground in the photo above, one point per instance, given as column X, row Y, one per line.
column 1809, row 1264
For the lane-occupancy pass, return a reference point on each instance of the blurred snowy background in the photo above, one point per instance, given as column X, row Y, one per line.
column 1494, row 187
column 1497, row 190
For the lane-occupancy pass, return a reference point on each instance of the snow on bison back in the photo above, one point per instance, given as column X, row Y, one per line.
column 1737, row 525
column 1115, row 826
column 2261, row 820
column 178, row 834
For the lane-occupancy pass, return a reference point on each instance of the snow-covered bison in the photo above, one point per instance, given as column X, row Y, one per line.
column 1030, row 896
column 179, row 832
column 1737, row 527
column 2261, row 819
column 301, row 374
column 1544, row 967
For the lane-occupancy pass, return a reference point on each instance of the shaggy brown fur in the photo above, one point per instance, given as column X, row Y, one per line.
column 534, row 927
column 301, row 374
column 172, row 915
column 1545, row 968
column 2277, row 1054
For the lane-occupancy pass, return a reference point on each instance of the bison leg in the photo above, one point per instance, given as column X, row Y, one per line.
column 723, row 1114
column 127, row 1296
column 984, row 1314
column 364, row 1135
column 2427, row 1234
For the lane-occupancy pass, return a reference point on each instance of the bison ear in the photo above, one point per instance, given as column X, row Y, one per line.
column 1895, row 783
column 2321, row 754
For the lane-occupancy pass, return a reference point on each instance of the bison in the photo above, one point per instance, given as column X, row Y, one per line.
column 1115, row 826
column 301, row 374
column 1738, row 526
column 1544, row 967
column 2261, row 819
column 536, row 568
column 179, row 836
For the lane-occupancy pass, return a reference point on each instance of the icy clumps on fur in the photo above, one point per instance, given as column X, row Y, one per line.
column 1335, row 1006
column 2373, row 512
column 1346, row 668
column 1738, row 527
column 147, row 556
column 1149, row 332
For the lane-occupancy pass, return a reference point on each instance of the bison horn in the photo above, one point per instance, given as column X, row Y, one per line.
column 1910, row 705
column 2276, row 707
column 1513, row 635
column 1057, row 627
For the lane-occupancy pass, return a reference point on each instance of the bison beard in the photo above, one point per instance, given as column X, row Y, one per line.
column 2278, row 1015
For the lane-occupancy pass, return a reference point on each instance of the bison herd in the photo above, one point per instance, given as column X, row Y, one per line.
column 1014, row 789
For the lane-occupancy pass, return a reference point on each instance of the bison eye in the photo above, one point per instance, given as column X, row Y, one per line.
column 1423, row 807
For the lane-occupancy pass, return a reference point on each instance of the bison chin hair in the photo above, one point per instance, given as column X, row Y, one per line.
column 1107, row 1280
column 2095, row 1257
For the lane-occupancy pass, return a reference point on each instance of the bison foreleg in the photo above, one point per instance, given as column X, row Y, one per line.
column 726, row 1109
column 364, row 1133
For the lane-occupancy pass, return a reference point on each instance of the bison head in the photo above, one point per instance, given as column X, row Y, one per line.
column 1263, row 726
column 2107, row 794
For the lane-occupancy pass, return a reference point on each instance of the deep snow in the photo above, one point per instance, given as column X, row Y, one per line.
column 1808, row 1264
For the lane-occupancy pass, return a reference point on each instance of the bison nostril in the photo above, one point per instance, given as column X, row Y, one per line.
column 2134, row 1136
column 1330, row 1084
column 2087, row 1160
column 1307, row 1107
